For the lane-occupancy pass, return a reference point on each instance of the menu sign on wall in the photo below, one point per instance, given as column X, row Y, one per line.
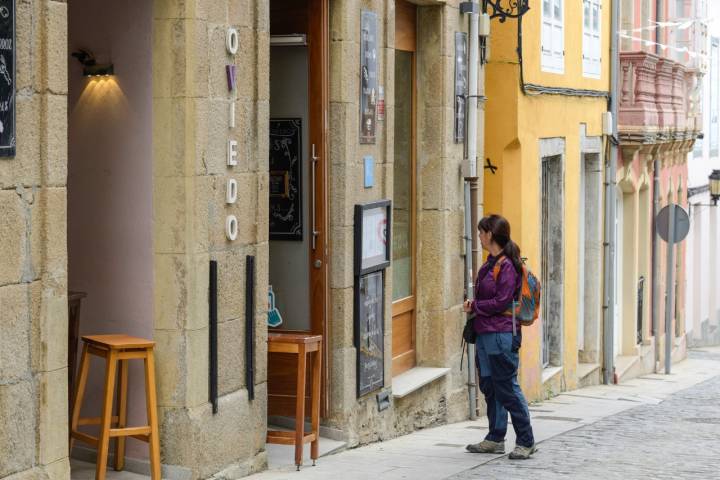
column 368, row 76
column 461, row 84
column 369, row 332
column 285, row 194
column 7, row 78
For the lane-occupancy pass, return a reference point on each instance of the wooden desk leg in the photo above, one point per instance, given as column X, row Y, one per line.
column 122, row 415
column 79, row 393
column 315, row 405
column 300, row 407
column 151, row 401
column 107, row 414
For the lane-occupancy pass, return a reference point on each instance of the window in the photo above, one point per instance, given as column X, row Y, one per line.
column 553, row 37
column 591, row 38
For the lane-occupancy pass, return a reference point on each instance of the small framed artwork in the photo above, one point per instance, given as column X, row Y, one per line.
column 279, row 184
column 372, row 236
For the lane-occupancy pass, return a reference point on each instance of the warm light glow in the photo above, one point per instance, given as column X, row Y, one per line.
column 102, row 94
column 715, row 185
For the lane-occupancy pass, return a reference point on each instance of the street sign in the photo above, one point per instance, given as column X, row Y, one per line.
column 681, row 221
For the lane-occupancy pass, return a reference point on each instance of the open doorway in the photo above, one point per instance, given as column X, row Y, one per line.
column 110, row 193
column 297, row 189
column 552, row 264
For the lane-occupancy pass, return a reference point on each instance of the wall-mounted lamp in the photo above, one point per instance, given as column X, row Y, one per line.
column 715, row 186
column 90, row 67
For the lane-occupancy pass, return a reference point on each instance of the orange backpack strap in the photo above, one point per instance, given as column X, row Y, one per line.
column 498, row 266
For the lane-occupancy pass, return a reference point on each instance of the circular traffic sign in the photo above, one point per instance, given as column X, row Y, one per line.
column 681, row 221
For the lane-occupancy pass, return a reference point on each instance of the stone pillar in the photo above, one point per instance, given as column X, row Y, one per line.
column 33, row 252
column 191, row 131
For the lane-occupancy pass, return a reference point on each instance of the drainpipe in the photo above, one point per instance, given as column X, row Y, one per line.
column 473, row 185
column 610, row 213
column 656, row 210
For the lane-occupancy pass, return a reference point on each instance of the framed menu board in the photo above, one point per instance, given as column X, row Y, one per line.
column 461, row 84
column 372, row 236
column 370, row 332
column 285, row 179
column 7, row 78
column 368, row 76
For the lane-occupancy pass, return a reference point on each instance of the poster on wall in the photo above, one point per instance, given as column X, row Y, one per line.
column 368, row 76
column 461, row 84
column 285, row 182
column 369, row 332
column 7, row 78
column 372, row 236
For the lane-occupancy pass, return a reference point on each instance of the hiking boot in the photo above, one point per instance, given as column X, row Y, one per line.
column 522, row 453
column 486, row 446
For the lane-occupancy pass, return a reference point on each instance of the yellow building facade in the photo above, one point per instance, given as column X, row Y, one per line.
column 543, row 131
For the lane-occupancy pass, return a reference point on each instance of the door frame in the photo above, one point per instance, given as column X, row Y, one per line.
column 408, row 43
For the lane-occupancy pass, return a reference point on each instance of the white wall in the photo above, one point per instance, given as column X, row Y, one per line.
column 110, row 183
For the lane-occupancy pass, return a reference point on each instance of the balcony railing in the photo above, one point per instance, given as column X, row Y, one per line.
column 657, row 95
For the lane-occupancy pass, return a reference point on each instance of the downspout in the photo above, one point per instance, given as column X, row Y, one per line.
column 656, row 209
column 610, row 199
column 472, row 187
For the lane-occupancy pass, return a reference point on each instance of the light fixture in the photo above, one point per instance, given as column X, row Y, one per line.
column 714, row 180
column 90, row 67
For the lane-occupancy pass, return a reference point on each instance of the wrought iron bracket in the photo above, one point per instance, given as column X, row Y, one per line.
column 504, row 9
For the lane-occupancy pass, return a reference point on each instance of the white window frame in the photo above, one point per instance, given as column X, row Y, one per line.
column 592, row 39
column 552, row 36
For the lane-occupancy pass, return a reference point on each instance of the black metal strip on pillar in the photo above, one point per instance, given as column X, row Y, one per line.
column 213, row 337
column 250, row 325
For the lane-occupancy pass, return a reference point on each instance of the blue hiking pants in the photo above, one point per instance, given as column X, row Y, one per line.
column 498, row 360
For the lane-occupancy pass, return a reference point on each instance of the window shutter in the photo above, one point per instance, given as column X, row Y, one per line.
column 552, row 36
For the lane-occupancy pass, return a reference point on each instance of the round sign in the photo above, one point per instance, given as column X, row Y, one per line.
column 681, row 221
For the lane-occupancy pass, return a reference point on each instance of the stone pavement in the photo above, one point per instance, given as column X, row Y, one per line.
column 653, row 427
column 675, row 439
column 657, row 426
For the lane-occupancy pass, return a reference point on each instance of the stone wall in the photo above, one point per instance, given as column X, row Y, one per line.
column 439, row 217
column 33, row 254
column 191, row 104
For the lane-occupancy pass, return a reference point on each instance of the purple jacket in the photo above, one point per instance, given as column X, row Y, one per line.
column 493, row 298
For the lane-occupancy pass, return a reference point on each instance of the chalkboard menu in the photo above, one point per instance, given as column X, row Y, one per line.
column 461, row 84
column 369, row 332
column 368, row 76
column 7, row 78
column 285, row 182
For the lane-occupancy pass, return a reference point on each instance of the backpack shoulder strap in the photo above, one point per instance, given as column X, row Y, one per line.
column 498, row 265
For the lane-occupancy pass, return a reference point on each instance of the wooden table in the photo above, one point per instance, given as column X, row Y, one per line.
column 302, row 345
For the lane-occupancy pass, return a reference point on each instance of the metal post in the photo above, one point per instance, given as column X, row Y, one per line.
column 656, row 264
column 471, row 186
column 669, row 290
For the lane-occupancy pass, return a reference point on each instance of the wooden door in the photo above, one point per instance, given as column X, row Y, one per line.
column 309, row 17
column 404, row 187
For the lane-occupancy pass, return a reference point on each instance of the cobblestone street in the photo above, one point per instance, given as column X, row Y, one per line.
column 675, row 439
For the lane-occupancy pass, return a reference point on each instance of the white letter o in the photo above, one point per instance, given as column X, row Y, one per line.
column 231, row 227
column 232, row 41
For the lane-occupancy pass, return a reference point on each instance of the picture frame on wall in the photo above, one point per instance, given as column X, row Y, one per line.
column 372, row 236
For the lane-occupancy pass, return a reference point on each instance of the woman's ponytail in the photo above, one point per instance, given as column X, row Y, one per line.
column 512, row 251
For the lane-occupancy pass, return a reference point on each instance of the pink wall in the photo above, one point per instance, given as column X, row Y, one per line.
column 110, row 183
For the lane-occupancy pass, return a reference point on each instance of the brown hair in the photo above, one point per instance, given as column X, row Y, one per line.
column 499, row 227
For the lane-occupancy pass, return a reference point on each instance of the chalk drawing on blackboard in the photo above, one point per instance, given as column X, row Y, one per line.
column 285, row 182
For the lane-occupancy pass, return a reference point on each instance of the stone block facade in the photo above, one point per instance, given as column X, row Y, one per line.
column 190, row 103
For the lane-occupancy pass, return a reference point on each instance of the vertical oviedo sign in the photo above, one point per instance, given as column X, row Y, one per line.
column 231, row 190
column 7, row 78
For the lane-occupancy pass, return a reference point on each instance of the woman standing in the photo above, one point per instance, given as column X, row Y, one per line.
column 498, row 340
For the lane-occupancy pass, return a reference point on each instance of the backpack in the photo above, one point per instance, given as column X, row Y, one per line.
column 526, row 308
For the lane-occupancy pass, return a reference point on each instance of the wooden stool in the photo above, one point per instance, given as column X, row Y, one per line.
column 302, row 345
column 114, row 349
